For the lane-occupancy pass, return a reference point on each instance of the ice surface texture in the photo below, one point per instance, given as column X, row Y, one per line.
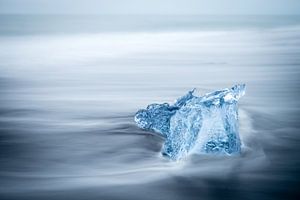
column 207, row 124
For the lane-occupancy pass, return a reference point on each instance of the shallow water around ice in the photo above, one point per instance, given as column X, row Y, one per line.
column 67, row 103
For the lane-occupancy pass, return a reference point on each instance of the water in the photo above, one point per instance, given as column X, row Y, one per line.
column 70, row 85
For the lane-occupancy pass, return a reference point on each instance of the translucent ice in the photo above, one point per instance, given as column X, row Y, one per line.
column 207, row 124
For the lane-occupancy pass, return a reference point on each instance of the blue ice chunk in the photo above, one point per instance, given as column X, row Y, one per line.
column 207, row 124
column 156, row 118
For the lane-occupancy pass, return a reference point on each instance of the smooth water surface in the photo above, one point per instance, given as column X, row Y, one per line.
column 70, row 86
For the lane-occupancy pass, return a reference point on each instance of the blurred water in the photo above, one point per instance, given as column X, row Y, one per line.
column 70, row 85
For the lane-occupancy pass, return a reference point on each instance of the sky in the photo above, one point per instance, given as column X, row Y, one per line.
column 198, row 7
